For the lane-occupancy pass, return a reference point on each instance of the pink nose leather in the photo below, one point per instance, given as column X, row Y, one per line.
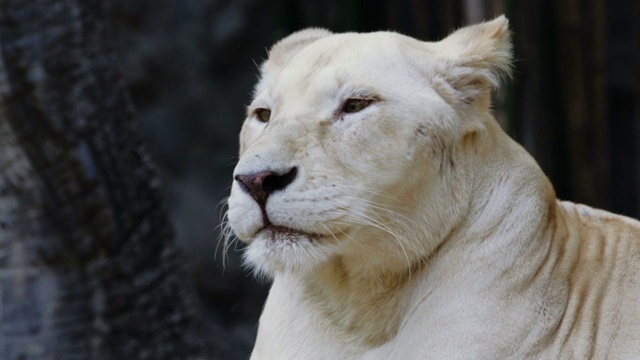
column 262, row 184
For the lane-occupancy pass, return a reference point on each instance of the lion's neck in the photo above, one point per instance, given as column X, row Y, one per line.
column 511, row 195
column 359, row 303
column 508, row 225
column 511, row 199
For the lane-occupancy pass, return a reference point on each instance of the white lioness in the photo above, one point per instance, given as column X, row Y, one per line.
column 398, row 221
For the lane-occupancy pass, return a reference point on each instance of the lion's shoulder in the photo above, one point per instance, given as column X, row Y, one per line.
column 598, row 256
column 609, row 226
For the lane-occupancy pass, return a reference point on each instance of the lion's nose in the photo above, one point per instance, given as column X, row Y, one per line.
column 261, row 185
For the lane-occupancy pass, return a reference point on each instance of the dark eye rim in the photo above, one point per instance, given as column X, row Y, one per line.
column 363, row 103
column 259, row 114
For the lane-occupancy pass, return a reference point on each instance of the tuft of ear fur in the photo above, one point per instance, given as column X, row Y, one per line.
column 284, row 50
column 477, row 57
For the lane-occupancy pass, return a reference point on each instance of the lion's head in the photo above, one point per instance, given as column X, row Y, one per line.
column 358, row 145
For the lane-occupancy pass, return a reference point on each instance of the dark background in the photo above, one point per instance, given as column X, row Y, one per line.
column 190, row 66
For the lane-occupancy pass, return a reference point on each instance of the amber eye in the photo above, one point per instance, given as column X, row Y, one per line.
column 355, row 105
column 263, row 115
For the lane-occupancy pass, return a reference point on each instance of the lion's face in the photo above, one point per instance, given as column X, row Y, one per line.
column 349, row 149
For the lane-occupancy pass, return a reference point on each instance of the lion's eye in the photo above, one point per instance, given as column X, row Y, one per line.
column 263, row 115
column 355, row 105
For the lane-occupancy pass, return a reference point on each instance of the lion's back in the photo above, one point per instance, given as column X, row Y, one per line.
column 598, row 253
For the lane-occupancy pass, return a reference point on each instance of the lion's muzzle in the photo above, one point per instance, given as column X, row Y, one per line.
column 262, row 184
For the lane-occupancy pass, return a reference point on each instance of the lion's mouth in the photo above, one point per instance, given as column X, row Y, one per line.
column 279, row 232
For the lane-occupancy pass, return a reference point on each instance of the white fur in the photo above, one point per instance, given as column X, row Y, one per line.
column 439, row 237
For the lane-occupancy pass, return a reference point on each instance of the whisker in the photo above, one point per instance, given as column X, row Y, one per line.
column 225, row 235
column 370, row 190
column 381, row 226
column 383, row 207
column 345, row 234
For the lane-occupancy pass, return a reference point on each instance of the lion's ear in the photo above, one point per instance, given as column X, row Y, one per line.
column 476, row 58
column 284, row 50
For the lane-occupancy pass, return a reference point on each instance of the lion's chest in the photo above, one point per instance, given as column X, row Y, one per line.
column 290, row 329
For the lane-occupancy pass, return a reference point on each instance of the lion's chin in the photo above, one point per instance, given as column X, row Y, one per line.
column 277, row 233
column 277, row 249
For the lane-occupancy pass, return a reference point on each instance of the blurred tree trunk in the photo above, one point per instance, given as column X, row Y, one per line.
column 88, row 269
column 581, row 29
column 538, row 122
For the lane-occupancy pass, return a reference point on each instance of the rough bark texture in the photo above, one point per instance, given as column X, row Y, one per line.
column 88, row 269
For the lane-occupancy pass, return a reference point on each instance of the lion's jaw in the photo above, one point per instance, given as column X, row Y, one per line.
column 381, row 185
